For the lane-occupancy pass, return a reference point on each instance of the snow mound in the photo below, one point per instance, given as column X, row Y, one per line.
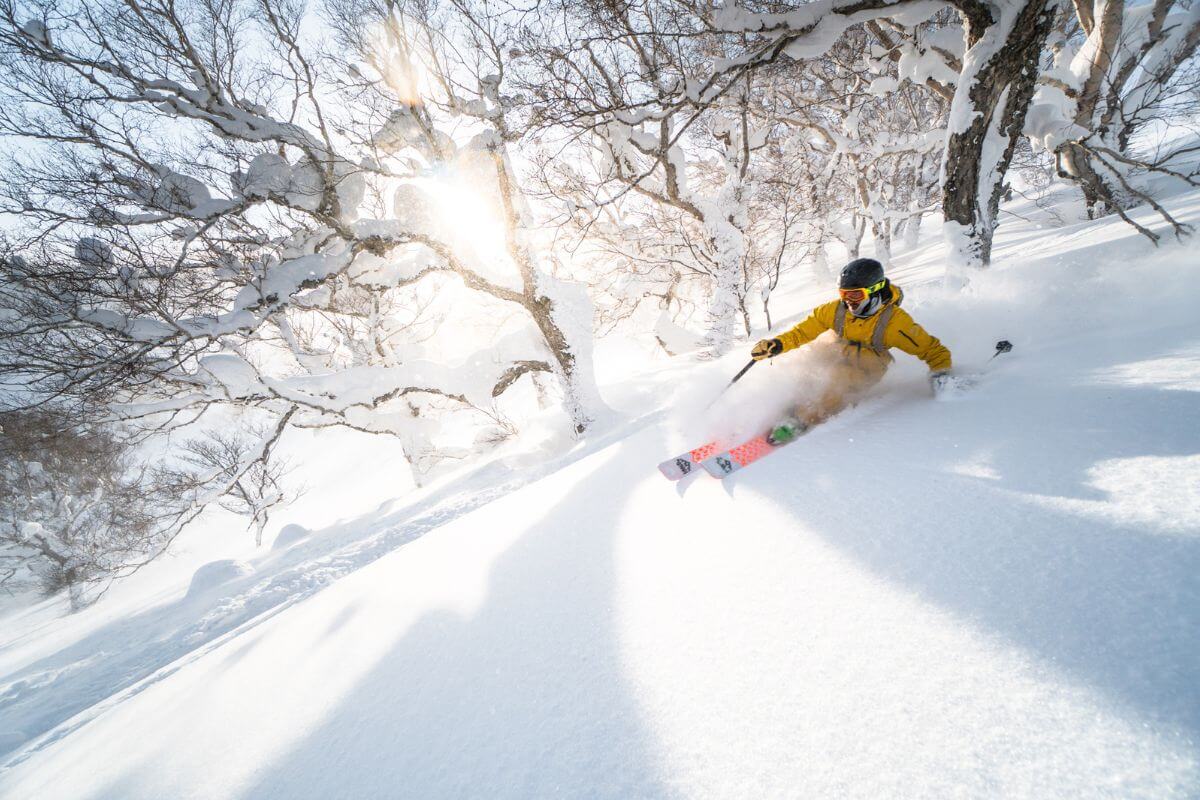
column 216, row 573
column 289, row 535
column 36, row 30
column 93, row 253
column 179, row 194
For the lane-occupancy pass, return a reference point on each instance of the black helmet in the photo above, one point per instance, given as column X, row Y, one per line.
column 861, row 273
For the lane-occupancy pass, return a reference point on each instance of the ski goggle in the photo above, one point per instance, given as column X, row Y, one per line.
column 856, row 296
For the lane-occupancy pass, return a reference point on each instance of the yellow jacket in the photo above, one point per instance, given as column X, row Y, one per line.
column 901, row 332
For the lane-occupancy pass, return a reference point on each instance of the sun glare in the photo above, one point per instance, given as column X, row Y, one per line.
column 400, row 67
column 474, row 225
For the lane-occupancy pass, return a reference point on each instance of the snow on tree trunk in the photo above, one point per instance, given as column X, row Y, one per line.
column 874, row 211
column 820, row 259
column 725, row 222
column 987, row 116
column 1097, row 95
column 672, row 337
column 882, row 233
column 562, row 311
column 1096, row 58
column 911, row 236
column 723, row 306
column 851, row 234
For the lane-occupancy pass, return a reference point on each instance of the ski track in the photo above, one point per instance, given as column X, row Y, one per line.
column 139, row 654
column 56, row 696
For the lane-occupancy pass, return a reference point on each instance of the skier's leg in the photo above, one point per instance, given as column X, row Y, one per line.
column 832, row 399
column 850, row 380
column 821, row 399
column 840, row 376
column 821, row 356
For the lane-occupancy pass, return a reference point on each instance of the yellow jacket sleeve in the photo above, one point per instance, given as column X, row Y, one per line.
column 910, row 337
column 812, row 326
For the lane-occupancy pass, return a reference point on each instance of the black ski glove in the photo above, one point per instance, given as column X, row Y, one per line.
column 767, row 348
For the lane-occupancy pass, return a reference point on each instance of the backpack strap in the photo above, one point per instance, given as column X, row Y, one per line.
column 885, row 318
column 839, row 321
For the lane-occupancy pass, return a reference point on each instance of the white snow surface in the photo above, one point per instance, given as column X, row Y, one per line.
column 993, row 596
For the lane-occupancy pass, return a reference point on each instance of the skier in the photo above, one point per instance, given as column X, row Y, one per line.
column 868, row 322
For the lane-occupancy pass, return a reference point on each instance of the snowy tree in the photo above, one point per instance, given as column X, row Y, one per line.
column 448, row 67
column 1117, row 69
column 642, row 248
column 876, row 130
column 217, row 212
column 988, row 77
column 654, row 181
column 660, row 94
column 219, row 457
column 76, row 509
column 1002, row 45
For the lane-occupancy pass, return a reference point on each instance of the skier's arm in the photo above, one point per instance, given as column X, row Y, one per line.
column 812, row 326
column 910, row 337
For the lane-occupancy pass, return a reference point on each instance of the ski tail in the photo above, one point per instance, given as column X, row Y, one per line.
column 684, row 464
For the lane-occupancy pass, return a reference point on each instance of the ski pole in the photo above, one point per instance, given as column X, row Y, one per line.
column 736, row 378
column 741, row 372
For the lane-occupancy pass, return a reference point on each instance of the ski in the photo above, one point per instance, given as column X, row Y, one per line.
column 743, row 455
column 684, row 464
column 720, row 463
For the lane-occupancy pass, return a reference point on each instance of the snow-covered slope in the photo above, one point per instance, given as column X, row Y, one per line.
column 997, row 596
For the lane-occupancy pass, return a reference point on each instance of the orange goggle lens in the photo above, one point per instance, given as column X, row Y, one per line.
column 856, row 296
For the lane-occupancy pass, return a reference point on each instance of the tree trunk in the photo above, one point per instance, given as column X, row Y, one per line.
column 1099, row 196
column 562, row 317
column 1119, row 93
column 1072, row 161
column 728, row 247
column 911, row 235
column 554, row 313
column 881, row 230
column 989, row 107
column 853, row 235
column 821, row 271
column 745, row 312
column 912, row 231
